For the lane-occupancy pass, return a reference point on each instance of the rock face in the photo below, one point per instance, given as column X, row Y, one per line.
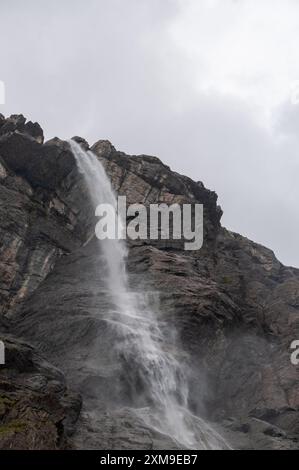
column 38, row 225
column 36, row 409
column 17, row 123
column 234, row 306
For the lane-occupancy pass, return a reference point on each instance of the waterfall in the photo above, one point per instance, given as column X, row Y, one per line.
column 153, row 372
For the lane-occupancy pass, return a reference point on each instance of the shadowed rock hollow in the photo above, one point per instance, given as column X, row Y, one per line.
column 233, row 305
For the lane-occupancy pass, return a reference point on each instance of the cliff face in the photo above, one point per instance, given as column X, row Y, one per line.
column 234, row 306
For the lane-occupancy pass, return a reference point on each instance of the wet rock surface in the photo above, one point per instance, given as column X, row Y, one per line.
column 234, row 306
column 37, row 411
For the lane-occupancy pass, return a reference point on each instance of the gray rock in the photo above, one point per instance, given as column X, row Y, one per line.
column 17, row 123
column 234, row 305
column 84, row 144
column 36, row 408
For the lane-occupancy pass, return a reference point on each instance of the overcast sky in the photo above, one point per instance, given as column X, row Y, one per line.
column 209, row 86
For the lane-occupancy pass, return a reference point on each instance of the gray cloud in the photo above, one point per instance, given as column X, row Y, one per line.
column 110, row 69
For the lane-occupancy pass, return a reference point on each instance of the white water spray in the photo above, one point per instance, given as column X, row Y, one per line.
column 155, row 373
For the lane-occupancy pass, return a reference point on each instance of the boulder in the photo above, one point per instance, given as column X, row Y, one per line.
column 17, row 123
column 84, row 144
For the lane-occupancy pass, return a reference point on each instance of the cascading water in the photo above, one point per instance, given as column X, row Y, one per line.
column 157, row 376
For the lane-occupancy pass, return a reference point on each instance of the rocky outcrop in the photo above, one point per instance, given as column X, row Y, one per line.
column 234, row 305
column 17, row 123
column 37, row 411
column 40, row 199
column 38, row 224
